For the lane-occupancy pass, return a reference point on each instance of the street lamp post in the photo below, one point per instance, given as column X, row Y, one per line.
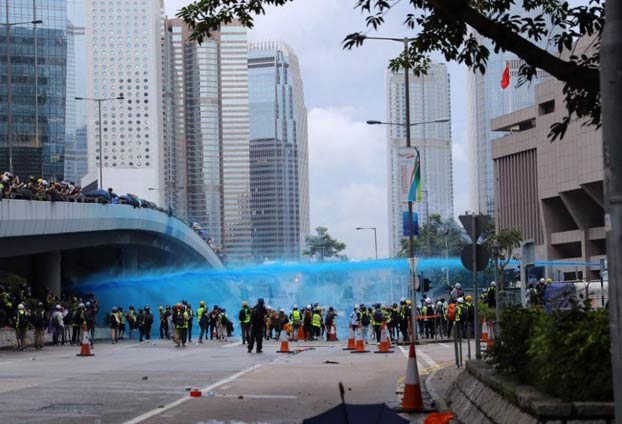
column 9, row 120
column 375, row 238
column 99, row 113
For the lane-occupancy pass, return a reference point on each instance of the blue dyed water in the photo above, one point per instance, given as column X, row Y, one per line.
column 337, row 284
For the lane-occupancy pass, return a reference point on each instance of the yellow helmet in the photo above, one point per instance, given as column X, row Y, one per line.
column 202, row 303
column 408, row 302
column 245, row 303
column 469, row 298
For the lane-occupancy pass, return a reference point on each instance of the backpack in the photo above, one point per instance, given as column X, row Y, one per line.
column 242, row 315
column 365, row 319
column 451, row 312
column 148, row 319
column 378, row 316
column 178, row 318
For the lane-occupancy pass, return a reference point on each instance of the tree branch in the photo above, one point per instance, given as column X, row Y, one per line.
column 580, row 77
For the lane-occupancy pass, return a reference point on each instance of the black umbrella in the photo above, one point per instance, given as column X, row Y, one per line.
column 357, row 414
column 99, row 193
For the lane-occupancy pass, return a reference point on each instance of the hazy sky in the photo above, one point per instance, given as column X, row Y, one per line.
column 343, row 89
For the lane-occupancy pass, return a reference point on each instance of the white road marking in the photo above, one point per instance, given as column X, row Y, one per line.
column 259, row 396
column 431, row 362
column 179, row 401
column 444, row 345
column 233, row 344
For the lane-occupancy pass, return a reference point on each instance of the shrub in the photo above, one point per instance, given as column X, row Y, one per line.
column 571, row 352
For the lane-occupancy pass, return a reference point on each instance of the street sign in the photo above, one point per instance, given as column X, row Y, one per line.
column 528, row 253
column 467, row 223
column 483, row 256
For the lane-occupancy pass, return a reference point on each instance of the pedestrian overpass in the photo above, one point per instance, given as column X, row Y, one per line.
column 60, row 243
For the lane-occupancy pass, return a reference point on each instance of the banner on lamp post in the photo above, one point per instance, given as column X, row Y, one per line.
column 409, row 174
column 406, row 227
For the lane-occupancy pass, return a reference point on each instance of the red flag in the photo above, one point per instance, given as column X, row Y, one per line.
column 505, row 78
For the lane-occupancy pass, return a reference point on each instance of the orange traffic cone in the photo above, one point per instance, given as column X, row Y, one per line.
column 332, row 334
column 301, row 333
column 85, row 347
column 284, row 347
column 351, row 342
column 385, row 340
column 484, row 338
column 360, row 344
column 412, row 400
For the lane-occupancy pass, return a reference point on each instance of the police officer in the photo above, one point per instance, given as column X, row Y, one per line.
column 21, row 325
column 258, row 326
column 244, row 316
column 316, row 322
column 296, row 320
column 201, row 311
column 147, row 323
column 40, row 322
column 180, row 320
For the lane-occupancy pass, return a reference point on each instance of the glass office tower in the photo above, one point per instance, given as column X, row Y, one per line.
column 32, row 117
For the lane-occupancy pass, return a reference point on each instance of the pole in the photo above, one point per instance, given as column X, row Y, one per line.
column 500, row 284
column 375, row 243
column 446, row 259
column 101, row 151
column 478, row 350
column 411, row 229
column 611, row 93
column 9, row 119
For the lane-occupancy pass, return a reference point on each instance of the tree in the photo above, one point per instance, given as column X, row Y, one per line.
column 444, row 26
column 323, row 244
column 431, row 239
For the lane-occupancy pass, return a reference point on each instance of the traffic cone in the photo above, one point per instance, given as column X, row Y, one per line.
column 412, row 400
column 85, row 347
column 351, row 342
column 332, row 334
column 284, row 347
column 484, row 338
column 360, row 344
column 301, row 333
column 385, row 340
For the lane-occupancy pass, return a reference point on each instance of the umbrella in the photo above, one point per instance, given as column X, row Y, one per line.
column 357, row 414
column 98, row 193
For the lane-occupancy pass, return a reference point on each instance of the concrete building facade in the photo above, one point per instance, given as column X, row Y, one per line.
column 429, row 102
column 124, row 57
column 278, row 152
column 551, row 191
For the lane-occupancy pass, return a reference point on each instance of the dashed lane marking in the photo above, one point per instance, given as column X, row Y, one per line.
column 233, row 344
column 171, row 405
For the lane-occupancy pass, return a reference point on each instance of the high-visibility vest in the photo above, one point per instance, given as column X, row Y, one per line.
column 317, row 320
column 200, row 312
column 296, row 315
column 247, row 316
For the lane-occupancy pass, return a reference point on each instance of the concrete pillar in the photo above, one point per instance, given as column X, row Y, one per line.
column 49, row 271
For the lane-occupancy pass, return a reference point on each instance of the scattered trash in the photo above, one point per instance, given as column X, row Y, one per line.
column 188, row 388
column 195, row 393
column 210, row 394
column 349, row 389
column 331, row 362
column 240, row 397
column 145, row 378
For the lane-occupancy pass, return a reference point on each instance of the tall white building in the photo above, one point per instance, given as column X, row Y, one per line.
column 429, row 101
column 124, row 57
column 487, row 100
column 235, row 143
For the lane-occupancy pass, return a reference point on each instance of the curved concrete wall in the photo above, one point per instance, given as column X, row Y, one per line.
column 27, row 218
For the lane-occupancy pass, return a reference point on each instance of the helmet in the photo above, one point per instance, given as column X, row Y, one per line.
column 362, row 305
column 308, row 306
column 281, row 310
column 114, row 309
column 402, row 299
column 20, row 306
column 395, row 305
column 40, row 304
column 542, row 280
column 260, row 300
column 439, row 303
column 469, row 298
column 409, row 302
column 460, row 300
column 458, row 286
column 295, row 307
column 161, row 308
column 428, row 301
column 245, row 303
column 58, row 307
column 202, row 303
column 131, row 307
column 493, row 284
column 224, row 310
column 88, row 304
column 81, row 305
column 268, row 307
column 549, row 281
column 147, row 307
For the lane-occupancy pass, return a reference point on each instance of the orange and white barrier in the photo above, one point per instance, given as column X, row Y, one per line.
column 412, row 400
column 85, row 347
column 332, row 333
column 351, row 341
column 385, row 340
column 360, row 343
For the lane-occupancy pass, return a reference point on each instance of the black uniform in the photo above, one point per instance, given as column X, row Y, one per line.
column 258, row 325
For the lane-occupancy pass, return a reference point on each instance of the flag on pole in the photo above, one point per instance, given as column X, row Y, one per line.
column 414, row 194
column 505, row 78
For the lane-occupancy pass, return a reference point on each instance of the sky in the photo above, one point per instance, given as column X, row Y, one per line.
column 343, row 89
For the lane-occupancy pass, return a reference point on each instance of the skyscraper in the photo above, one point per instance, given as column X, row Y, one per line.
column 235, row 149
column 278, row 152
column 429, row 102
column 37, row 88
column 487, row 100
column 193, row 134
column 123, row 41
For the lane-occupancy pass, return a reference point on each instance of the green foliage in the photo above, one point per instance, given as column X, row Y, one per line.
column 570, row 350
column 431, row 239
column 324, row 245
column 448, row 27
column 509, row 353
column 565, row 354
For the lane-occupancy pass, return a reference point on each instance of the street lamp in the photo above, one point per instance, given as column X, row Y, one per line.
column 375, row 239
column 99, row 112
column 9, row 123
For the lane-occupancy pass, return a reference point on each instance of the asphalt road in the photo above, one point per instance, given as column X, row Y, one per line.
column 132, row 382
